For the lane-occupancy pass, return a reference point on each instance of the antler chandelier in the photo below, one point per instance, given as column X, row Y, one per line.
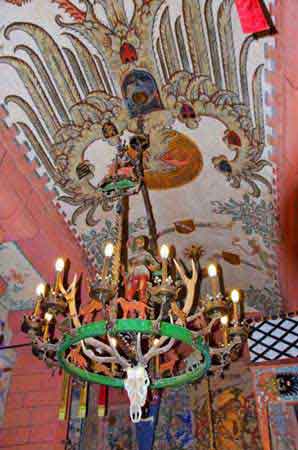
column 142, row 306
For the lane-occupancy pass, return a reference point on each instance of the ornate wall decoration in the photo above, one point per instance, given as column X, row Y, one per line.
column 234, row 412
column 256, row 217
column 7, row 359
column 18, row 279
column 283, row 423
column 93, row 76
column 277, row 396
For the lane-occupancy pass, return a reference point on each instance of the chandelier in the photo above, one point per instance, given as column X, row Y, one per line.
column 146, row 325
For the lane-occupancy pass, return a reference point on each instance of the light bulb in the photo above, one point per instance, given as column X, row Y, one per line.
column 235, row 296
column 40, row 290
column 59, row 264
column 48, row 316
column 156, row 341
column 164, row 251
column 212, row 270
column 109, row 250
column 113, row 341
column 224, row 320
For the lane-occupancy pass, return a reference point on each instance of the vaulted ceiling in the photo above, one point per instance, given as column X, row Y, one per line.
column 76, row 78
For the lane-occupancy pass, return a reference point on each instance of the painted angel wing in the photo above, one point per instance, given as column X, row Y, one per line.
column 73, row 104
column 197, row 60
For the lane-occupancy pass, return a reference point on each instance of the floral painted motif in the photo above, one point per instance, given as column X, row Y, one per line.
column 267, row 300
column 17, row 278
column 257, row 216
column 95, row 241
column 195, row 251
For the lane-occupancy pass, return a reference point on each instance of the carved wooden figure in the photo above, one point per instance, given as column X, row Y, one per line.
column 130, row 307
column 168, row 366
column 140, row 265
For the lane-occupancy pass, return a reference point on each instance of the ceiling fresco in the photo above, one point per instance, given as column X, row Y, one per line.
column 78, row 78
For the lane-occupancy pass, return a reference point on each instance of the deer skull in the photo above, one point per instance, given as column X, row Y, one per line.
column 136, row 385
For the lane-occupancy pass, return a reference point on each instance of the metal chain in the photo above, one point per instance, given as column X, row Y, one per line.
column 210, row 416
column 118, row 221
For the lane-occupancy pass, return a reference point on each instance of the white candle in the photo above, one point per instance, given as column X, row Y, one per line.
column 235, row 297
column 224, row 320
column 40, row 291
column 212, row 273
column 109, row 250
column 59, row 269
column 48, row 317
column 164, row 253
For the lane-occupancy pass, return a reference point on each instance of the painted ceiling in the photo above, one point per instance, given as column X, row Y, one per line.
column 76, row 77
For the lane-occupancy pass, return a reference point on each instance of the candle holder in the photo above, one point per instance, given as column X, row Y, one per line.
column 215, row 307
column 32, row 325
column 163, row 295
column 239, row 331
column 103, row 293
column 56, row 302
column 143, row 297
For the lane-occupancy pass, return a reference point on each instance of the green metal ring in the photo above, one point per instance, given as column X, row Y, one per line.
column 99, row 328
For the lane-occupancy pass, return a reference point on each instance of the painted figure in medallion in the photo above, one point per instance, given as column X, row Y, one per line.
column 123, row 166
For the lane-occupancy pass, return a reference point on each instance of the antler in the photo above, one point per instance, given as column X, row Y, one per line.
column 70, row 296
column 158, row 350
column 98, row 345
column 111, row 349
column 101, row 359
column 140, row 355
column 120, row 359
column 190, row 284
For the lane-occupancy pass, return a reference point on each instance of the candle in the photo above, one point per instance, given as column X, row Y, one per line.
column 212, row 273
column 235, row 297
column 109, row 250
column 40, row 292
column 59, row 269
column 224, row 320
column 164, row 253
column 64, row 404
column 48, row 318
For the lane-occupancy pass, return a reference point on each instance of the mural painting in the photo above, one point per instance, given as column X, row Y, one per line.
column 16, row 293
column 18, row 279
column 234, row 411
column 91, row 76
column 7, row 359
column 277, row 402
column 183, row 417
column 115, row 72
